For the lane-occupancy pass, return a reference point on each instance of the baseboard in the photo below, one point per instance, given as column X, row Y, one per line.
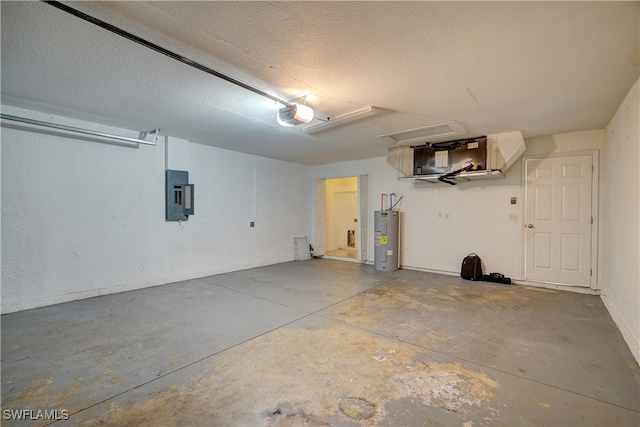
column 627, row 335
column 38, row 302
column 430, row 270
column 569, row 288
column 7, row 307
column 340, row 258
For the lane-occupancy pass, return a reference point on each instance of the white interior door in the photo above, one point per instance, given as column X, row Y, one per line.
column 321, row 190
column 558, row 220
column 363, row 217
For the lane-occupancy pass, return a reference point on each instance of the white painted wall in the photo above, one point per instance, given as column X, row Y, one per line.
column 621, row 245
column 478, row 211
column 82, row 219
column 477, row 222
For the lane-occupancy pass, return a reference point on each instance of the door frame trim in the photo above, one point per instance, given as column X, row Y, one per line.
column 359, row 248
column 363, row 239
column 315, row 219
column 594, row 283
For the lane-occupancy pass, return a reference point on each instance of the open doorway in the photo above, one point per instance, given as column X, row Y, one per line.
column 341, row 215
column 342, row 218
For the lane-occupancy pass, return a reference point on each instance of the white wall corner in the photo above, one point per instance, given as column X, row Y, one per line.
column 621, row 210
column 623, row 327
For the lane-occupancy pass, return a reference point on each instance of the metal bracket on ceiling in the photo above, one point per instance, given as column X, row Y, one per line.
column 155, row 132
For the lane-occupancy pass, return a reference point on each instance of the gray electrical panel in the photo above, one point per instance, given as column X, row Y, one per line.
column 387, row 231
column 179, row 195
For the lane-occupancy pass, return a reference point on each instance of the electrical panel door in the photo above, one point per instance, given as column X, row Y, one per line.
column 179, row 195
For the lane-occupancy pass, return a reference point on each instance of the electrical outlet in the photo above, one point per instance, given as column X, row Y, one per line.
column 439, row 214
column 513, row 217
column 252, row 224
column 446, row 215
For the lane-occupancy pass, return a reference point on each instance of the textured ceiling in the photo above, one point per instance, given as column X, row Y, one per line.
column 539, row 67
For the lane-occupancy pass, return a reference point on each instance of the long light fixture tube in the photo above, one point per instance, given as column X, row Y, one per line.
column 340, row 120
column 83, row 131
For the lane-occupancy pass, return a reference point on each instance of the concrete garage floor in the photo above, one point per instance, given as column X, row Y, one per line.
column 322, row 342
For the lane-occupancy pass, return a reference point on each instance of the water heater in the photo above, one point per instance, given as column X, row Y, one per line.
column 387, row 231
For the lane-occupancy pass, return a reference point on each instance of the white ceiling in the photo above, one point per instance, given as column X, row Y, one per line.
column 539, row 67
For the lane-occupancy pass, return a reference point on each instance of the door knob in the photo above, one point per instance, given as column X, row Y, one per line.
column 530, row 226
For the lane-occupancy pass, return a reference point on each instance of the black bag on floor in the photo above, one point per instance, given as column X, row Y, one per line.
column 496, row 278
column 471, row 267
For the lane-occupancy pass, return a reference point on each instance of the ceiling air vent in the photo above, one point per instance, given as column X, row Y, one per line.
column 434, row 132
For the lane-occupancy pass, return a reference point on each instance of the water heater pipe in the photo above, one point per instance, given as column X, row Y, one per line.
column 398, row 201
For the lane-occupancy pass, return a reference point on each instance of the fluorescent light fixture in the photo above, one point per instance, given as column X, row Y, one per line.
column 423, row 134
column 294, row 115
column 340, row 120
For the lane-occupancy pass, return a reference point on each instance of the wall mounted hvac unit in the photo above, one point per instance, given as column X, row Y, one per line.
column 462, row 159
